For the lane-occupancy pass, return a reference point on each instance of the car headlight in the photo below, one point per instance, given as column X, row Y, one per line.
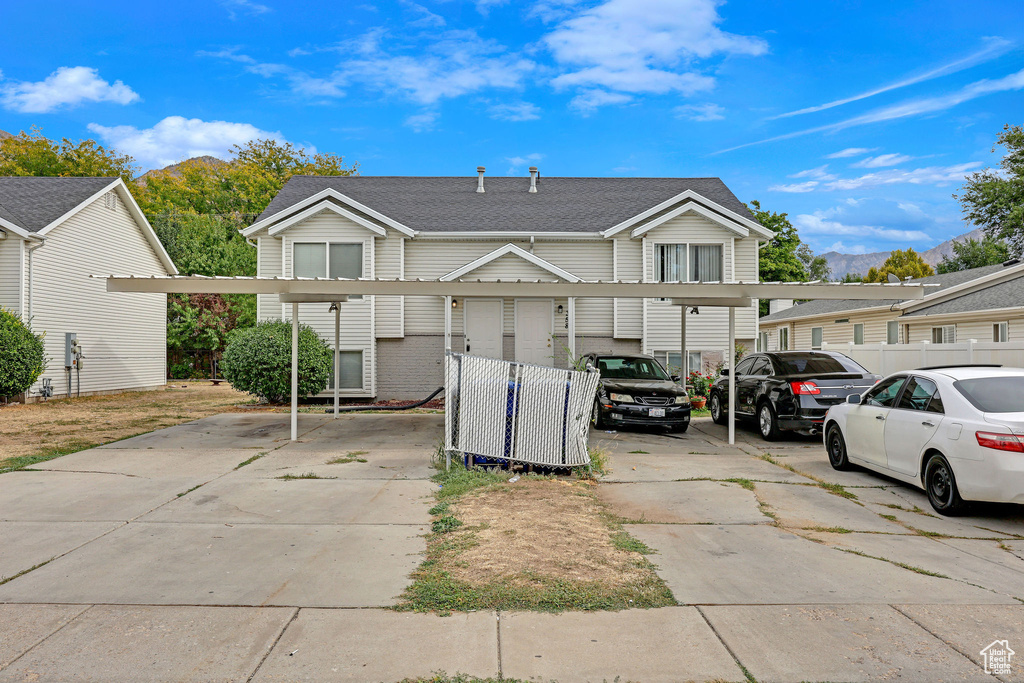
column 621, row 398
column 682, row 400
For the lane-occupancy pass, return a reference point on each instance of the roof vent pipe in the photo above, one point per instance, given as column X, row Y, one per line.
column 480, row 178
column 533, row 179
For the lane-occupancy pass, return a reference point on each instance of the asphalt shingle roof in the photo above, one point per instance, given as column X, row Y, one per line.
column 32, row 203
column 825, row 306
column 435, row 204
column 1003, row 295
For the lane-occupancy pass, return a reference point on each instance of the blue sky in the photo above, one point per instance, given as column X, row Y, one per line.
column 859, row 119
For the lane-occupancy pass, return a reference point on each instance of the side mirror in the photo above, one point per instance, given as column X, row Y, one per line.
column 853, row 399
column 676, row 378
column 724, row 372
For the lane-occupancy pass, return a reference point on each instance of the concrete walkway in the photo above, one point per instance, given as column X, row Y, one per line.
column 162, row 561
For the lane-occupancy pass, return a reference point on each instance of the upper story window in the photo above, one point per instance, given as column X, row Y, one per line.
column 319, row 259
column 688, row 262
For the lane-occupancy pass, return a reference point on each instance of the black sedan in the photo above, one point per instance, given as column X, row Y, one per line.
column 636, row 390
column 789, row 390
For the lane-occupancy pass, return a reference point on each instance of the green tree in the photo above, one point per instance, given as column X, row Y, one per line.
column 852, row 277
column 994, row 200
column 22, row 356
column 902, row 263
column 31, row 154
column 784, row 258
column 972, row 253
column 244, row 185
column 816, row 266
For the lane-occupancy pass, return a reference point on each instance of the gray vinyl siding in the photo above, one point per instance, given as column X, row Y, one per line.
column 12, row 275
column 123, row 335
column 629, row 313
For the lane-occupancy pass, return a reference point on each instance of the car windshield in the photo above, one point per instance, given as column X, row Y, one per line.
column 994, row 394
column 630, row 368
column 817, row 363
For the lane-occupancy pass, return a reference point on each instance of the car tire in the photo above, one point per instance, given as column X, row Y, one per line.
column 835, row 444
column 718, row 413
column 596, row 418
column 940, row 485
column 768, row 422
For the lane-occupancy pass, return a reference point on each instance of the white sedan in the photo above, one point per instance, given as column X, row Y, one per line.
column 957, row 432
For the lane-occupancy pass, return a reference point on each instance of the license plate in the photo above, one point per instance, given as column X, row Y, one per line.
column 657, row 412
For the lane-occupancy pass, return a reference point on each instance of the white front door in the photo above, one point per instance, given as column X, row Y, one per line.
column 483, row 327
column 533, row 331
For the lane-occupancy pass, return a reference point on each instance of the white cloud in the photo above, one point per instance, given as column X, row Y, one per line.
column 519, row 162
column 795, row 187
column 818, row 173
column 926, row 105
column 930, row 175
column 644, row 46
column 818, row 224
column 67, row 86
column 514, row 111
column 882, row 160
column 426, row 17
column 847, row 249
column 458, row 62
column 176, row 138
column 700, row 112
column 485, row 6
column 550, row 11
column 994, row 48
column 589, row 100
column 850, row 152
column 423, row 121
column 246, row 6
column 301, row 83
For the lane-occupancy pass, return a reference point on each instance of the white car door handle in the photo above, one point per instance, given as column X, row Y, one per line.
column 879, row 417
column 926, row 423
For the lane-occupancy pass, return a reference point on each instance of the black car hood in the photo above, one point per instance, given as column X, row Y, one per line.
column 654, row 387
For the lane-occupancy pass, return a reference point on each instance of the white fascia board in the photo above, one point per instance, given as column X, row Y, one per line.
column 696, row 208
column 847, row 313
column 118, row 186
column 982, row 315
column 509, row 235
column 320, row 196
column 502, row 251
column 20, row 232
column 326, row 206
column 693, row 196
column 998, row 277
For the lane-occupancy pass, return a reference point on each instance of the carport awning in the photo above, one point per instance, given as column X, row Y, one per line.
column 728, row 294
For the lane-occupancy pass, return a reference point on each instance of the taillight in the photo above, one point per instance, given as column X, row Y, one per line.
column 1000, row 442
column 804, row 388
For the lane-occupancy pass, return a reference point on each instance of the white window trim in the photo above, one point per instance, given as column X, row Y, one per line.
column 942, row 332
column 861, row 326
column 822, row 337
column 888, row 326
column 655, row 264
column 362, row 372
column 327, row 254
column 1001, row 332
column 784, row 331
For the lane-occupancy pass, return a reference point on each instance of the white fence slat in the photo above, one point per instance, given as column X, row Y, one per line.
column 885, row 359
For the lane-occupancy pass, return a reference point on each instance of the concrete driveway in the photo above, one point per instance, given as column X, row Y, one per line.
column 164, row 562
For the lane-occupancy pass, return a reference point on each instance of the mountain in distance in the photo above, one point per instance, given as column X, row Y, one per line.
column 175, row 169
column 4, row 135
column 840, row 264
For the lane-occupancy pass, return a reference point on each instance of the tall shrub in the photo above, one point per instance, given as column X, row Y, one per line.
column 258, row 360
column 22, row 357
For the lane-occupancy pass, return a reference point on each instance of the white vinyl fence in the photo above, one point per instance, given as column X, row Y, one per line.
column 516, row 412
column 883, row 359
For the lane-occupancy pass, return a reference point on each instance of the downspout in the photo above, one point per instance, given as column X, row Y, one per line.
column 31, row 249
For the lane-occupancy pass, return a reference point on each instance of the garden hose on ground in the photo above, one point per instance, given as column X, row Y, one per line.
column 349, row 409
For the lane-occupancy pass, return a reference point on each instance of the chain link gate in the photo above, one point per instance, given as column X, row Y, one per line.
column 515, row 412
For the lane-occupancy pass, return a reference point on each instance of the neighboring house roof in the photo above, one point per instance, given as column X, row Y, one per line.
column 1002, row 295
column 32, row 203
column 452, row 204
column 838, row 306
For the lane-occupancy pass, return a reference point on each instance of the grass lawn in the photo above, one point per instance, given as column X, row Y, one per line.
column 538, row 543
column 35, row 432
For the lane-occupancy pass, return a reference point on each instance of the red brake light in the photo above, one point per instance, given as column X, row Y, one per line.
column 804, row 388
column 1000, row 442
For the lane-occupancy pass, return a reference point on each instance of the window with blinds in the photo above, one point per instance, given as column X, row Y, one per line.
column 944, row 335
column 783, row 339
column 1001, row 332
column 688, row 262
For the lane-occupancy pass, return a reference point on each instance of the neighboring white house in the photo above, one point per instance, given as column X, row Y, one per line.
column 985, row 304
column 465, row 228
column 55, row 233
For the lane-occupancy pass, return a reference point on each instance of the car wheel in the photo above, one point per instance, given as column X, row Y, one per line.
column 596, row 417
column 767, row 422
column 940, row 484
column 836, row 446
column 718, row 415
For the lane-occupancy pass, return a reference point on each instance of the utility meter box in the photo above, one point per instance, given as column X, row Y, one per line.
column 72, row 351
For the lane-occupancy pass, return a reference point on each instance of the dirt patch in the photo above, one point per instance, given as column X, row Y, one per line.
column 550, row 528
column 65, row 425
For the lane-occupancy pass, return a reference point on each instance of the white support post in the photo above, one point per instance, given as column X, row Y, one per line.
column 572, row 331
column 295, row 372
column 731, row 355
column 337, row 355
column 684, row 359
column 970, row 350
column 447, row 323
